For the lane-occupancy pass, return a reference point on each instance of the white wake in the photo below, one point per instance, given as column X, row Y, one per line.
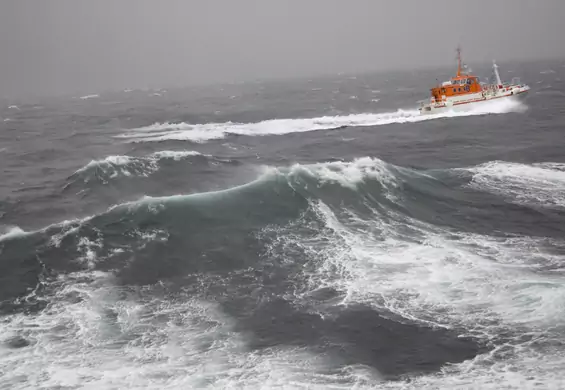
column 209, row 131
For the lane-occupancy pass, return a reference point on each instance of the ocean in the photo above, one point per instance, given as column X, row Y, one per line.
column 303, row 234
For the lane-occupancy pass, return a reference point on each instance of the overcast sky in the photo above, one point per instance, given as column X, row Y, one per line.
column 52, row 46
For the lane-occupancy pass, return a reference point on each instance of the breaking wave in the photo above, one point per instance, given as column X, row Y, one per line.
column 313, row 274
column 114, row 166
column 210, row 131
column 540, row 184
column 11, row 232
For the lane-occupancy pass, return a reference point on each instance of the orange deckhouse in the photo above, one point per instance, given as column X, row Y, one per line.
column 459, row 85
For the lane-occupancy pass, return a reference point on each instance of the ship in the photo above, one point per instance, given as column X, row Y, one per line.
column 466, row 91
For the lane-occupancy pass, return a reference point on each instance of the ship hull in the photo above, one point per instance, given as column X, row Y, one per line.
column 472, row 101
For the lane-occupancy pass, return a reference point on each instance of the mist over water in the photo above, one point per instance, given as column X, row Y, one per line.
column 59, row 48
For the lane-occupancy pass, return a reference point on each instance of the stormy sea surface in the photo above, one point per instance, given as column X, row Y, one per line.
column 313, row 233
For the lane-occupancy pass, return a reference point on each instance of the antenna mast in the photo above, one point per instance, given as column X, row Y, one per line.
column 496, row 75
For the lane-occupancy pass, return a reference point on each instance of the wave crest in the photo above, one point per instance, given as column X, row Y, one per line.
column 541, row 184
column 114, row 166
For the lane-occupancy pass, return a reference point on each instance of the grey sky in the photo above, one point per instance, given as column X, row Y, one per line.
column 51, row 46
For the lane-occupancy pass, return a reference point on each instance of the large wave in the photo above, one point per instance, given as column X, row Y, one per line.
column 210, row 131
column 308, row 262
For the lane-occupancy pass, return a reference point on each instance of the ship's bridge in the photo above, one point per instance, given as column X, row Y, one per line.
column 459, row 85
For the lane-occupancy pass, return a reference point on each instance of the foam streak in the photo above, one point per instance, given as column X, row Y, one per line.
column 210, row 131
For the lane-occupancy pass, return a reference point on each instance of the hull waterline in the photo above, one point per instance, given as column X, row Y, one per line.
column 473, row 106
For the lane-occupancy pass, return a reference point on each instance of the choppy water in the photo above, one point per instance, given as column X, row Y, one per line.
column 298, row 234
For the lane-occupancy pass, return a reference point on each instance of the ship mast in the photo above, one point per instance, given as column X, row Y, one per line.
column 458, row 61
